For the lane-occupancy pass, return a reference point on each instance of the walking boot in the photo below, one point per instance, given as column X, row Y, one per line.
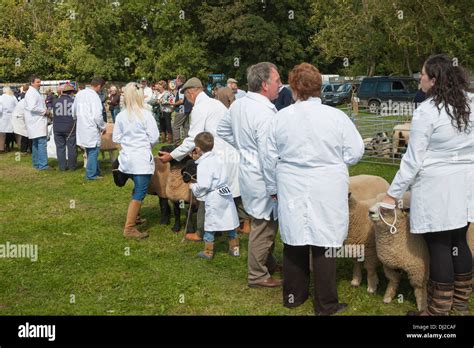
column 462, row 292
column 440, row 299
column 234, row 247
column 130, row 231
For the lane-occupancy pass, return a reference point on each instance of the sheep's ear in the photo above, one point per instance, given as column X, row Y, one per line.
column 349, row 195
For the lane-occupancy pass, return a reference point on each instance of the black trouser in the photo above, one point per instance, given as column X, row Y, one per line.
column 165, row 123
column 26, row 144
column 449, row 254
column 296, row 276
column 63, row 140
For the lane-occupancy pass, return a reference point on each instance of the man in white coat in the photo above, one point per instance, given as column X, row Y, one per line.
column 87, row 109
column 205, row 116
column 36, row 117
column 246, row 126
column 8, row 103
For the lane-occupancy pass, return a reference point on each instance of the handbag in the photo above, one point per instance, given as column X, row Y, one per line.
column 120, row 178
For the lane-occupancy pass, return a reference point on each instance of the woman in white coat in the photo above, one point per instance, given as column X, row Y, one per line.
column 136, row 131
column 8, row 103
column 309, row 148
column 19, row 124
column 439, row 166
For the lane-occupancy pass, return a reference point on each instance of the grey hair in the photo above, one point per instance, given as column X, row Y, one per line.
column 257, row 74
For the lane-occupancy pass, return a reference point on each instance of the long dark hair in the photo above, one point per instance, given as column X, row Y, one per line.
column 449, row 89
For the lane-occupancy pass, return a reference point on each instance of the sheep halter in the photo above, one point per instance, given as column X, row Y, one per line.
column 393, row 229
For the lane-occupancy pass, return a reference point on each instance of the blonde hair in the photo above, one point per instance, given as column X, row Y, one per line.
column 7, row 90
column 134, row 101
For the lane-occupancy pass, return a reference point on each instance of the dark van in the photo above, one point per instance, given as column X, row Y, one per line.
column 375, row 90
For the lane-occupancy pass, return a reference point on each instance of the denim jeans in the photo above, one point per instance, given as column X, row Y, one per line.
column 114, row 113
column 40, row 153
column 92, row 168
column 209, row 236
column 141, row 186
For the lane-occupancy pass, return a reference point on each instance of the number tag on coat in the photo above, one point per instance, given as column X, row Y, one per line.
column 224, row 190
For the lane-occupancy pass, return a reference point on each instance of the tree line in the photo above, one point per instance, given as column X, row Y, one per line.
column 127, row 39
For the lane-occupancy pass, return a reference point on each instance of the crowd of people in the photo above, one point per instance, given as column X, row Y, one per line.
column 282, row 160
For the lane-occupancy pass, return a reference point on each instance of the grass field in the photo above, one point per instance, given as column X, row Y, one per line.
column 86, row 267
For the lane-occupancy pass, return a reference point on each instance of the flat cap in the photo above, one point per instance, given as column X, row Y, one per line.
column 193, row 82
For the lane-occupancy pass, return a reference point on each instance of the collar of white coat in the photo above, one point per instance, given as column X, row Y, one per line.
column 316, row 100
column 261, row 99
column 200, row 98
column 204, row 156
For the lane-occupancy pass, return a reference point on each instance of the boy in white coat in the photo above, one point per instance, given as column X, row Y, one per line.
column 212, row 186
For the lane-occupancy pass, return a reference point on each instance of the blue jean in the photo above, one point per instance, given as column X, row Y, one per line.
column 141, row 186
column 209, row 236
column 92, row 167
column 114, row 113
column 40, row 153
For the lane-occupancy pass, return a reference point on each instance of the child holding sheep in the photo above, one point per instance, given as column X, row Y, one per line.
column 212, row 187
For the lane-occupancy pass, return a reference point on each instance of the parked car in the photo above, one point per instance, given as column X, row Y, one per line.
column 344, row 93
column 327, row 92
column 374, row 91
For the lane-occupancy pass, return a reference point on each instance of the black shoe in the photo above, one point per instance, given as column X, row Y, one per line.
column 341, row 307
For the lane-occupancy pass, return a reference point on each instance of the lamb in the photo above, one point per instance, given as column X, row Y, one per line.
column 362, row 190
column 401, row 250
column 400, row 137
column 167, row 183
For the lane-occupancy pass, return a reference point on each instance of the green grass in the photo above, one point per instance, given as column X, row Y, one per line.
column 78, row 226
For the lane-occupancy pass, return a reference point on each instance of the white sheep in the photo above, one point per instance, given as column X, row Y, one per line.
column 401, row 250
column 400, row 138
column 363, row 190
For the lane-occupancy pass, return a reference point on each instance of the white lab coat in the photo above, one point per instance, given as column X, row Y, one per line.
column 136, row 139
column 7, row 106
column 240, row 94
column 246, row 126
column 147, row 94
column 309, row 148
column 212, row 185
column 206, row 114
column 439, row 164
column 35, row 108
column 18, row 119
column 87, row 109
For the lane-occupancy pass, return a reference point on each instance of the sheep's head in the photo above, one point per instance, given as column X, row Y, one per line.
column 383, row 219
column 189, row 171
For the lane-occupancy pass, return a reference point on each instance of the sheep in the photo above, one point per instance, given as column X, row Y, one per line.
column 362, row 190
column 364, row 187
column 401, row 250
column 167, row 183
column 106, row 144
column 400, row 137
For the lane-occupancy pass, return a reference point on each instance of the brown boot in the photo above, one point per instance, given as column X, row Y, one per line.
column 193, row 237
column 244, row 227
column 170, row 138
column 440, row 299
column 163, row 137
column 208, row 252
column 130, row 231
column 234, row 249
column 462, row 292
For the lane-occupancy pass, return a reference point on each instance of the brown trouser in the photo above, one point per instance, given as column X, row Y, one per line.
column 260, row 250
column 296, row 276
column 3, row 138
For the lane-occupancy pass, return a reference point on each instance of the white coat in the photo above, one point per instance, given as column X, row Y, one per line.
column 87, row 109
column 35, row 109
column 18, row 119
column 212, row 185
column 439, row 164
column 136, row 139
column 309, row 148
column 245, row 126
column 206, row 114
column 7, row 106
